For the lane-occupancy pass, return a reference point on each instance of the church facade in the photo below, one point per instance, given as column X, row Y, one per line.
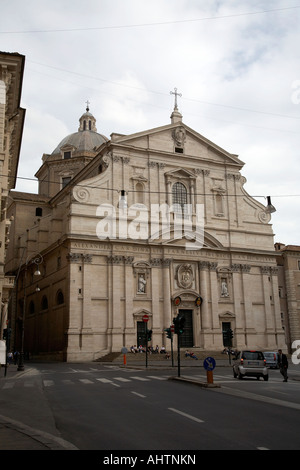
column 151, row 224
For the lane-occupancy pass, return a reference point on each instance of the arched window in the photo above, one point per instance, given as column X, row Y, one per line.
column 44, row 303
column 60, row 298
column 179, row 195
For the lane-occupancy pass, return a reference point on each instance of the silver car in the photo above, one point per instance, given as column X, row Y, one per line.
column 250, row 364
column 271, row 358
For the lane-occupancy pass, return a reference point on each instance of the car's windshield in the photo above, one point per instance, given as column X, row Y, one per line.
column 253, row 355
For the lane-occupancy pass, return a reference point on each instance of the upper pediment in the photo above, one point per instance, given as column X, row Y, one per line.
column 180, row 140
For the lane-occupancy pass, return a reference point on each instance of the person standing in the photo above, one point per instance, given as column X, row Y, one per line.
column 283, row 364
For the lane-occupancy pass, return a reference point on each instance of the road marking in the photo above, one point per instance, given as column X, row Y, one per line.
column 155, row 377
column 68, row 382
column 139, row 394
column 122, row 379
column 105, row 381
column 8, row 385
column 143, row 379
column 186, row 415
column 86, row 381
column 262, row 448
column 48, row 383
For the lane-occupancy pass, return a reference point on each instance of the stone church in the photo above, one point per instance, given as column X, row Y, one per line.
column 152, row 224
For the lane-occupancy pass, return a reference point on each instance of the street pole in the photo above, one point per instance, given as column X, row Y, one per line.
column 146, row 337
column 178, row 358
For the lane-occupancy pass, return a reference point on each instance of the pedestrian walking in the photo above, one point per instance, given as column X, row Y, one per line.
column 283, row 364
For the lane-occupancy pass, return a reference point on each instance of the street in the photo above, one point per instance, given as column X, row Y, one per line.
column 109, row 407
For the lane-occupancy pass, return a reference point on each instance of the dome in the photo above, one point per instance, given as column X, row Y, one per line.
column 87, row 137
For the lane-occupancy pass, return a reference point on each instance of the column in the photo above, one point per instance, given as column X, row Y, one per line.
column 240, row 322
column 167, row 316
column 115, row 330
column 129, row 291
column 206, row 323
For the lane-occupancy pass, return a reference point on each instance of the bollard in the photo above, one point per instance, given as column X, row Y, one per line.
column 210, row 377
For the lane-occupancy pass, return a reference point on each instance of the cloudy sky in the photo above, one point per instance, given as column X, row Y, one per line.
column 235, row 62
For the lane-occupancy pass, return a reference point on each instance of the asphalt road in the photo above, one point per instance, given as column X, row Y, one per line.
column 103, row 407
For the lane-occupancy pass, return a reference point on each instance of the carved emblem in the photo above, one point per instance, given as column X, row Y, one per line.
column 185, row 276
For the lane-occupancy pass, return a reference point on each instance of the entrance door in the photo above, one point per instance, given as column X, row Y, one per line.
column 141, row 337
column 187, row 338
column 225, row 327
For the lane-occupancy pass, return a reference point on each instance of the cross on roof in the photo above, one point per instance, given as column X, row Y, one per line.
column 176, row 94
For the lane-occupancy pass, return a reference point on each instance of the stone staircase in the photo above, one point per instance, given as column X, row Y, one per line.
column 140, row 357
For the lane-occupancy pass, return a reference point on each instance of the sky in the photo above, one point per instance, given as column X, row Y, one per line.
column 236, row 64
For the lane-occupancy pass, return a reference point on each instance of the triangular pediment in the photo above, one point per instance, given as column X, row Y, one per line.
column 180, row 140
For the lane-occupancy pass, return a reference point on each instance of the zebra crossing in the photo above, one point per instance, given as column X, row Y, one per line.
column 116, row 381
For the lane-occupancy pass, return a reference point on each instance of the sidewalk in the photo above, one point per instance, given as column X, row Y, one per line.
column 15, row 435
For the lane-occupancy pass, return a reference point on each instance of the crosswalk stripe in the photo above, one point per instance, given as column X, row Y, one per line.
column 48, row 383
column 142, row 379
column 8, row 385
column 86, row 381
column 105, row 381
column 122, row 379
column 156, row 377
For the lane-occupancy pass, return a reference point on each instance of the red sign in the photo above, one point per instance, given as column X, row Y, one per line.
column 145, row 318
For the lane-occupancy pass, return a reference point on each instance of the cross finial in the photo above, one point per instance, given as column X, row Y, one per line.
column 176, row 94
column 87, row 106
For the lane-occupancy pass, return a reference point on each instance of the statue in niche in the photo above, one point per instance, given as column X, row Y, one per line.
column 142, row 284
column 224, row 288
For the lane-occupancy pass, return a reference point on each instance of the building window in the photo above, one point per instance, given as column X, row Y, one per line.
column 44, row 304
column 65, row 181
column 38, row 212
column 60, row 298
column 67, row 155
column 179, row 196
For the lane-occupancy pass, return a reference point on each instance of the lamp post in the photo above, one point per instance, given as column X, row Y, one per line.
column 37, row 259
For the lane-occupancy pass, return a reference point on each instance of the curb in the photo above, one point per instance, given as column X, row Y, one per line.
column 195, row 382
column 48, row 440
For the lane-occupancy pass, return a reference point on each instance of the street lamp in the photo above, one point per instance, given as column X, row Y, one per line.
column 37, row 259
column 270, row 208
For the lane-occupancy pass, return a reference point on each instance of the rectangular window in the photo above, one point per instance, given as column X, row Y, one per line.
column 65, row 181
column 67, row 155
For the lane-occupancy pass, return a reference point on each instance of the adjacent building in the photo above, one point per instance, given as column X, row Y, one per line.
column 289, row 291
column 11, row 130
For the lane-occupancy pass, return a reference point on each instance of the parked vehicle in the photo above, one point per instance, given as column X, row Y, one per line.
column 250, row 364
column 271, row 358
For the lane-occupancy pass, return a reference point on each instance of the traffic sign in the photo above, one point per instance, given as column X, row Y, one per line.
column 209, row 363
column 145, row 318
